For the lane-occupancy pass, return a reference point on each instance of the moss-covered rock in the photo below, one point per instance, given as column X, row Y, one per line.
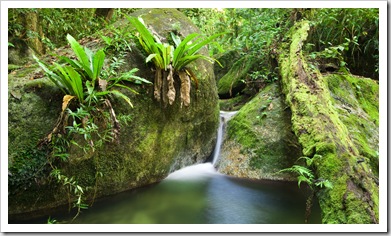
column 234, row 104
column 327, row 113
column 156, row 140
column 259, row 139
column 227, row 60
column 233, row 82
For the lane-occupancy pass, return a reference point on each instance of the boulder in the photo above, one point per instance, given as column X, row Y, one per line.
column 227, row 60
column 233, row 82
column 259, row 140
column 154, row 140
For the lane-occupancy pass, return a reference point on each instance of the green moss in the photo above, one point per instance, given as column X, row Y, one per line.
column 359, row 112
column 156, row 141
column 332, row 135
column 262, row 130
column 226, row 60
column 233, row 104
column 233, row 81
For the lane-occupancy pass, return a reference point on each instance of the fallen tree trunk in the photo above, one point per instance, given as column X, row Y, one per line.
column 326, row 136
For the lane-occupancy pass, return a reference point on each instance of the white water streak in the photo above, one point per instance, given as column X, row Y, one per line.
column 200, row 171
column 224, row 117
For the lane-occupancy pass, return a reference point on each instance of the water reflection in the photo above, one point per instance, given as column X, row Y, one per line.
column 205, row 198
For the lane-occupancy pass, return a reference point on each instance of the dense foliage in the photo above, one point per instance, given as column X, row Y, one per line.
column 346, row 40
column 351, row 43
column 56, row 23
column 350, row 35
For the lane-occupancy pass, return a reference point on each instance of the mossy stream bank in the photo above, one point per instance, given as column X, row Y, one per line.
column 337, row 127
column 332, row 120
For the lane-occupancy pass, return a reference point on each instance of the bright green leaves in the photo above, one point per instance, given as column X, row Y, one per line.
column 79, row 77
column 158, row 52
column 97, row 62
column 170, row 59
column 306, row 175
column 88, row 61
column 83, row 80
column 186, row 51
column 81, row 55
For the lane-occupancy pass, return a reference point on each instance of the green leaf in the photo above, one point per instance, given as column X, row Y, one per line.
column 81, row 55
column 98, row 60
column 302, row 178
column 150, row 57
column 121, row 95
column 76, row 83
column 126, row 87
column 51, row 75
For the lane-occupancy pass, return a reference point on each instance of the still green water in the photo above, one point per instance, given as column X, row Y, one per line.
column 200, row 195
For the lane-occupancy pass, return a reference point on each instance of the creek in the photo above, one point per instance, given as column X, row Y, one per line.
column 198, row 194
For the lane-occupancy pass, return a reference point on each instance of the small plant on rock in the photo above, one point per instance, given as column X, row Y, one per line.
column 170, row 60
column 304, row 174
column 86, row 108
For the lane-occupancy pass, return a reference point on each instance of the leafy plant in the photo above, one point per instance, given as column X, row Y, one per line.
column 336, row 53
column 360, row 25
column 117, row 39
column 304, row 174
column 82, row 80
column 73, row 187
column 169, row 60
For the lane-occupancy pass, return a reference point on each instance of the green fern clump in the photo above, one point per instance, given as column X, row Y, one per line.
column 89, row 88
column 170, row 60
column 304, row 174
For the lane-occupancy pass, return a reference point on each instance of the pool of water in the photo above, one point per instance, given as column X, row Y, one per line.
column 200, row 195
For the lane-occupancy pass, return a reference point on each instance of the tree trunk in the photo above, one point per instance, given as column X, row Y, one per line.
column 104, row 13
column 328, row 138
column 34, row 32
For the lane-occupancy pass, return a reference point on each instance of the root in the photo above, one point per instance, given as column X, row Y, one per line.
column 158, row 85
column 185, row 88
column 170, row 88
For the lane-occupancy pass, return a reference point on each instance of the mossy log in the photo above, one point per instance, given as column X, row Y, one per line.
column 331, row 135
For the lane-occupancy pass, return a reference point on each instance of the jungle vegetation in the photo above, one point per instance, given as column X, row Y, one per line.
column 350, row 45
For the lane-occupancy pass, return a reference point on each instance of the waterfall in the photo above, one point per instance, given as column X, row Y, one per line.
column 224, row 117
column 204, row 170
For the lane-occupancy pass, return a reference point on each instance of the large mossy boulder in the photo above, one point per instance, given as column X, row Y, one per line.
column 154, row 140
column 259, row 140
column 335, row 118
column 233, row 82
column 227, row 60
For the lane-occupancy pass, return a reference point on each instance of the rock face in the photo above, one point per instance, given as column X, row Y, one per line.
column 336, row 121
column 155, row 141
column 232, row 82
column 259, row 140
column 227, row 60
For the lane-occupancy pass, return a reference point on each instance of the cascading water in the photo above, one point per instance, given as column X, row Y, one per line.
column 198, row 194
column 224, row 117
column 206, row 169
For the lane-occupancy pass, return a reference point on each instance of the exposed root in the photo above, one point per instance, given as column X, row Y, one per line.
column 171, row 88
column 60, row 124
column 116, row 125
column 158, row 85
column 185, row 88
